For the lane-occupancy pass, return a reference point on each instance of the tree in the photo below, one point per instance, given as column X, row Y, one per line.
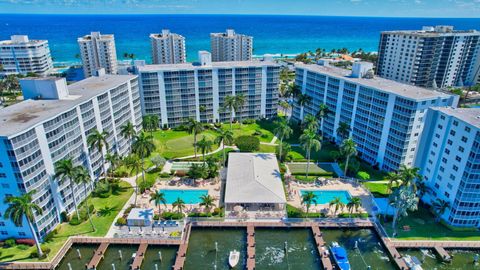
column 23, row 207
column 343, row 130
column 158, row 198
column 309, row 198
column 205, row 146
column 128, row 132
column 211, row 167
column 310, row 122
column 114, row 160
column 282, row 151
column 135, row 165
column 409, row 176
column 98, row 140
column 233, row 104
column 247, row 143
column 348, row 149
column 294, row 90
column 179, row 204
column 82, row 176
column 440, row 207
column 354, row 204
column 207, row 201
column 197, row 171
column 403, row 199
column 240, row 100
column 158, row 161
column 323, row 112
column 65, row 170
column 393, row 179
column 143, row 147
column 224, row 137
column 282, row 131
column 151, row 123
column 337, row 204
column 284, row 105
column 302, row 101
column 309, row 140
column 194, row 127
column 130, row 56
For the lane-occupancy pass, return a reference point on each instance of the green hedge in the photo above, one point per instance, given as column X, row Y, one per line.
column 293, row 212
column 247, row 143
column 353, row 215
column 172, row 215
column 329, row 174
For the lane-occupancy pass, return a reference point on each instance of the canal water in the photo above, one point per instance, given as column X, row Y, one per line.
column 112, row 257
column 201, row 252
column 76, row 262
column 152, row 257
column 370, row 251
column 461, row 259
column 286, row 249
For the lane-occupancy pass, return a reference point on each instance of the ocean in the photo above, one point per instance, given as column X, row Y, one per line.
column 277, row 34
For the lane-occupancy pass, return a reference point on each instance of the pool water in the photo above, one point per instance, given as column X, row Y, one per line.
column 326, row 196
column 187, row 195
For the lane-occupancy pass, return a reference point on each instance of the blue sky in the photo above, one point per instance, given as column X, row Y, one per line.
column 384, row 8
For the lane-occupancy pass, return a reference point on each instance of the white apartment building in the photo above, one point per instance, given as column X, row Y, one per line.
column 168, row 48
column 20, row 55
column 177, row 92
column 52, row 124
column 450, row 162
column 385, row 117
column 230, row 46
column 98, row 51
column 432, row 57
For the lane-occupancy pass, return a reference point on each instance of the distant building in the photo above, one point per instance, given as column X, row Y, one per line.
column 176, row 92
column 20, row 55
column 52, row 124
column 168, row 48
column 230, row 46
column 385, row 117
column 98, row 51
column 450, row 162
column 432, row 57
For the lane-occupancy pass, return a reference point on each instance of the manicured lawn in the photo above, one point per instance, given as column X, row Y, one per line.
column 298, row 154
column 264, row 127
column 374, row 174
column 106, row 211
column 424, row 227
column 172, row 144
column 378, row 189
column 265, row 148
column 299, row 168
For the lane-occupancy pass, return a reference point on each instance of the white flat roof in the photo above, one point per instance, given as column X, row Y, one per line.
column 140, row 214
column 468, row 115
column 193, row 66
column 254, row 178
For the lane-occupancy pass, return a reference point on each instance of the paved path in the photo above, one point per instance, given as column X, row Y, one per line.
column 274, row 139
column 114, row 228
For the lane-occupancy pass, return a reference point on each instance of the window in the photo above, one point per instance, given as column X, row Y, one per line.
column 447, row 195
column 455, row 168
column 457, row 158
column 464, row 139
column 449, row 142
column 461, row 149
column 452, row 132
column 455, row 123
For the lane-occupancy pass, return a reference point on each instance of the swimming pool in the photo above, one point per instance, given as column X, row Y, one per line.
column 326, row 196
column 189, row 196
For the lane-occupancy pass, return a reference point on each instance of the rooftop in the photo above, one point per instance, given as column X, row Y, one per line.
column 381, row 84
column 468, row 115
column 253, row 178
column 437, row 31
column 27, row 114
column 192, row 66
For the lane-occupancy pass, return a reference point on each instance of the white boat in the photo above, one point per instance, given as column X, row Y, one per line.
column 233, row 258
column 412, row 262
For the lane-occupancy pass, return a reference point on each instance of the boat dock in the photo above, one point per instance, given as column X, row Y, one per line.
column 322, row 248
column 250, row 247
column 140, row 254
column 182, row 249
column 98, row 256
column 442, row 254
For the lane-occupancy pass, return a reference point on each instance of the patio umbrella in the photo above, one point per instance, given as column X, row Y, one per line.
column 237, row 208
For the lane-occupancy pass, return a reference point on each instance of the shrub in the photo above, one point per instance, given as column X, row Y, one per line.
column 217, row 125
column 363, row 175
column 45, row 250
column 175, row 234
column 74, row 221
column 248, row 121
column 9, row 243
column 353, row 215
column 264, row 136
column 180, row 173
column 293, row 212
column 156, row 217
column 23, row 247
column 64, row 217
column 50, row 235
column 257, row 133
column 121, row 221
column 164, row 175
column 25, row 241
column 247, row 143
column 217, row 212
column 199, row 215
column 172, row 215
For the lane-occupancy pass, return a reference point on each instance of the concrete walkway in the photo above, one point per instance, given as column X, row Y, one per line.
column 114, row 228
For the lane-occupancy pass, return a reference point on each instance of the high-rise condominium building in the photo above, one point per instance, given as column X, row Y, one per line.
column 178, row 92
column 450, row 162
column 98, row 51
column 385, row 118
column 230, row 46
column 168, row 48
column 53, row 124
column 20, row 55
column 432, row 57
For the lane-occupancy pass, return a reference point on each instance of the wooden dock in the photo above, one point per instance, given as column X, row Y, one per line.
column 182, row 249
column 442, row 254
column 322, row 248
column 250, row 247
column 98, row 256
column 140, row 255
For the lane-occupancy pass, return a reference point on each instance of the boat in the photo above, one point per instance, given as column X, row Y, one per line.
column 233, row 258
column 340, row 256
column 412, row 262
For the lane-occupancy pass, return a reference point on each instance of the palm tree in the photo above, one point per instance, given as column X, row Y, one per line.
column 179, row 204
column 194, row 127
column 310, row 122
column 393, row 179
column 323, row 111
column 114, row 160
column 82, row 176
column 343, row 130
column 207, row 202
column 403, row 199
column 240, row 100
column 158, row 198
column 98, row 140
column 22, row 207
column 440, row 207
column 143, row 147
column 150, row 123
column 309, row 140
column 303, row 100
column 308, row 198
column 294, row 90
column 224, row 137
column 354, row 204
column 348, row 149
column 282, row 131
column 410, row 176
column 205, row 146
column 65, row 170
column 135, row 165
column 128, row 132
column 130, row 56
column 338, row 204
column 230, row 105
